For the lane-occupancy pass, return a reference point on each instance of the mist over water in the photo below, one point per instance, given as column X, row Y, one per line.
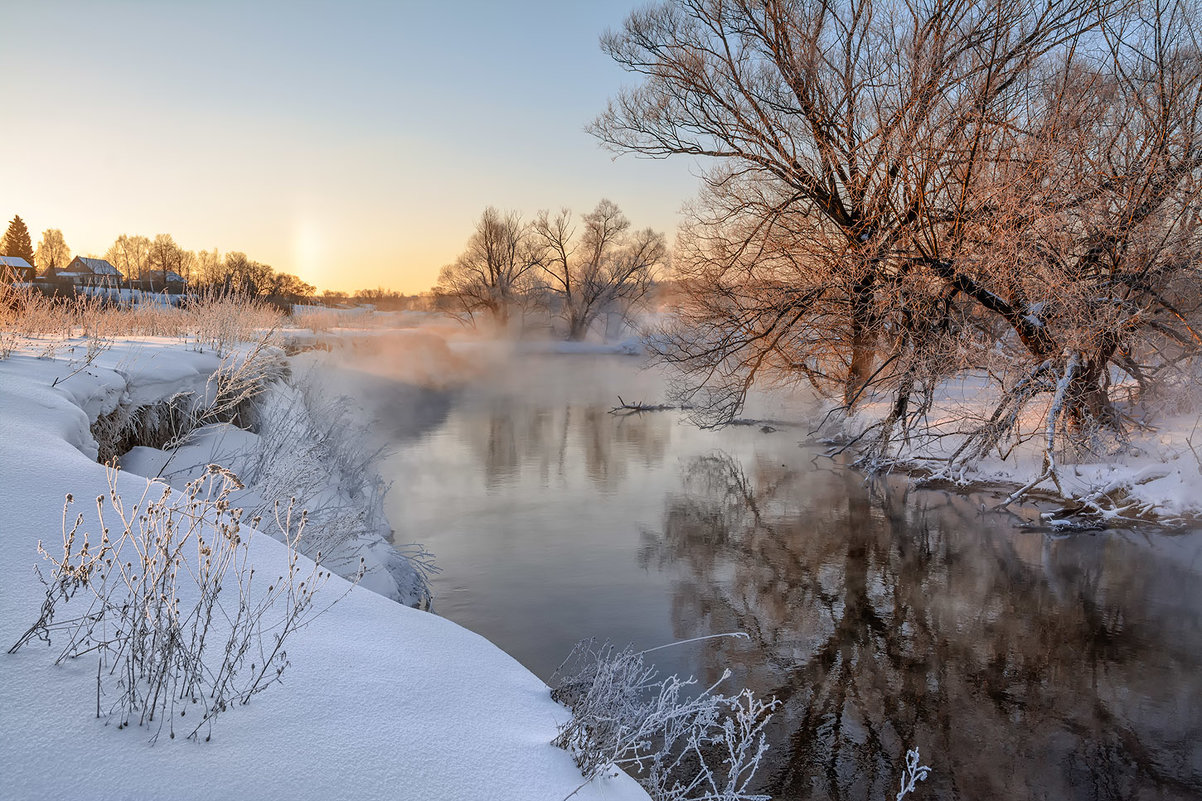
column 883, row 617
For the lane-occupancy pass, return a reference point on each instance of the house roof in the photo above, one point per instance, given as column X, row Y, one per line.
column 14, row 261
column 96, row 266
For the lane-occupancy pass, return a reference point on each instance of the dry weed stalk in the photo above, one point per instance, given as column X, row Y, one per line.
column 168, row 601
column 217, row 321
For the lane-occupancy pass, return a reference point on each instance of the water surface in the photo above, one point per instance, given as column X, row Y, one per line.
column 883, row 617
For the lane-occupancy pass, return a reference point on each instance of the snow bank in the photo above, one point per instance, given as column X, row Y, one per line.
column 1154, row 473
column 381, row 701
column 326, row 464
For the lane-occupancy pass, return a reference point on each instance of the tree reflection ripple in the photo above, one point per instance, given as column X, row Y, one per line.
column 883, row 617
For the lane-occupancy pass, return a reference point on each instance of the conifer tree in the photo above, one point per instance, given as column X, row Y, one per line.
column 16, row 240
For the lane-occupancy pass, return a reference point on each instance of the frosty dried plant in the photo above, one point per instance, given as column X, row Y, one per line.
column 680, row 745
column 167, row 601
column 912, row 774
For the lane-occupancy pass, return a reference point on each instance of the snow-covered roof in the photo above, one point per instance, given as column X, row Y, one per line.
column 97, row 266
column 14, row 261
column 172, row 275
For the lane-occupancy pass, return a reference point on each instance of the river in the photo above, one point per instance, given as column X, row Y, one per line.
column 1021, row 663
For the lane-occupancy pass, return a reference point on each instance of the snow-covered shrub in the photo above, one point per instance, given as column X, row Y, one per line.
column 679, row 744
column 166, row 600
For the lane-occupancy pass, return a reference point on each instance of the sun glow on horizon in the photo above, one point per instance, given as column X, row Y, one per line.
column 394, row 134
column 309, row 251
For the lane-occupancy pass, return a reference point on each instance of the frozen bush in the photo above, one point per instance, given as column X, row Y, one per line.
column 679, row 745
column 166, row 600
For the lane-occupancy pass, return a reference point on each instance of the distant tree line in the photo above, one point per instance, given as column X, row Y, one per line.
column 379, row 298
column 152, row 261
column 142, row 258
column 552, row 267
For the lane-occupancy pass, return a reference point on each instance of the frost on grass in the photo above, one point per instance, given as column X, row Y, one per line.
column 217, row 321
column 166, row 601
column 912, row 774
column 311, row 445
column 677, row 742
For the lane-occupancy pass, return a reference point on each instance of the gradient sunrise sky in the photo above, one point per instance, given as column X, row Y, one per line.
column 354, row 144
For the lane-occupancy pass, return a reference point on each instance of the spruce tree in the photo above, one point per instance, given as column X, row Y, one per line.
column 16, row 240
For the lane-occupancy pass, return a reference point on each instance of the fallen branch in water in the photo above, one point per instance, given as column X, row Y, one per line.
column 625, row 408
column 766, row 426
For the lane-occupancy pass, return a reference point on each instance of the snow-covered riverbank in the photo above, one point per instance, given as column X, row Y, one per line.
column 1151, row 473
column 380, row 700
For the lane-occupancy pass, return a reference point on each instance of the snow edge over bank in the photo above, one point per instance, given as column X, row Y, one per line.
column 380, row 699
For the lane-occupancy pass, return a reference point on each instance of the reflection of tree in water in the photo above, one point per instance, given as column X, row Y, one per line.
column 1023, row 666
column 559, row 442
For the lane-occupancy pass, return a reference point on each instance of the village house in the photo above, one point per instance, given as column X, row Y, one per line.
column 160, row 280
column 15, row 270
column 85, row 271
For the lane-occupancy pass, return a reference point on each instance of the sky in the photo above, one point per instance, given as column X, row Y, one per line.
column 354, row 144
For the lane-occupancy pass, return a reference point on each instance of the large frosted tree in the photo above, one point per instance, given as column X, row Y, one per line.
column 899, row 191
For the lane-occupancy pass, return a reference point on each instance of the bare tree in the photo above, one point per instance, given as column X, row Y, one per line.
column 166, row 257
column 897, row 188
column 53, row 253
column 607, row 266
column 242, row 275
column 130, row 255
column 494, row 271
column 207, row 266
column 837, row 103
column 287, row 285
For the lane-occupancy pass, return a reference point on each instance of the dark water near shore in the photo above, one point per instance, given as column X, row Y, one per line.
column 1023, row 665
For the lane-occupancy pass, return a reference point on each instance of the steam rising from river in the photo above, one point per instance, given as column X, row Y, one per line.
column 881, row 616
column 404, row 378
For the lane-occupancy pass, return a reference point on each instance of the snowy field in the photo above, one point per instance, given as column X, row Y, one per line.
column 379, row 701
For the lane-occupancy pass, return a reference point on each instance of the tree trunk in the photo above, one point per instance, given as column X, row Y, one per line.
column 1088, row 403
column 577, row 328
column 863, row 340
